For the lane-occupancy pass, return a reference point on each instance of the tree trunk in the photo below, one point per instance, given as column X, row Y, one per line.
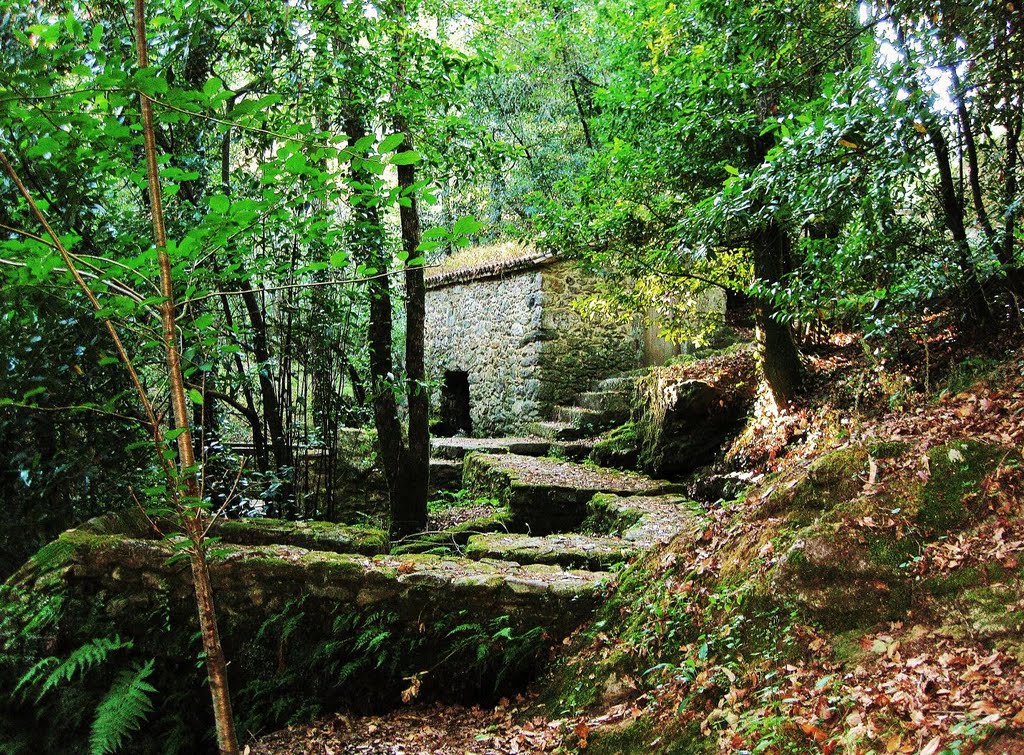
column 973, row 169
column 370, row 245
column 409, row 507
column 780, row 360
column 191, row 512
column 953, row 215
column 1006, row 252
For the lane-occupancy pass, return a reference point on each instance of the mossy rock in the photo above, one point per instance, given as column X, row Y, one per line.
column 618, row 448
column 318, row 536
column 950, row 500
column 837, row 578
column 455, row 537
column 571, row 550
column 830, row 480
column 989, row 611
column 640, row 735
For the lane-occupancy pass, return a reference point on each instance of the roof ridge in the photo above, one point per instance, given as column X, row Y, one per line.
column 489, row 269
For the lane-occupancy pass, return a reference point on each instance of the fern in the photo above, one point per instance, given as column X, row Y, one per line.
column 122, row 710
column 81, row 660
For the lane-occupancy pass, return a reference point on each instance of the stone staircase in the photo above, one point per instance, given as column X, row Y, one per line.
column 596, row 410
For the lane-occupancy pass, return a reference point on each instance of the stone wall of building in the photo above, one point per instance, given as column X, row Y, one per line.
column 578, row 351
column 523, row 346
column 486, row 328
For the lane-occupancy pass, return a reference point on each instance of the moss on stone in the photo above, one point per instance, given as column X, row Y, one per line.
column 831, row 479
column 619, row 447
column 319, row 536
column 841, row 578
column 888, row 449
column 957, row 470
column 954, row 583
column 609, row 514
column 452, row 539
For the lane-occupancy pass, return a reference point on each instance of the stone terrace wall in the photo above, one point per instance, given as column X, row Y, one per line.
column 578, row 351
column 487, row 328
column 525, row 349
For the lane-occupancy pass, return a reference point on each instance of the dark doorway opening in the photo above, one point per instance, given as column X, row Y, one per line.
column 455, row 418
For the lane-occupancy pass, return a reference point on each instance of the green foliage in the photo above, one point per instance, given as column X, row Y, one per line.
column 459, row 499
column 99, row 675
column 122, row 710
column 51, row 672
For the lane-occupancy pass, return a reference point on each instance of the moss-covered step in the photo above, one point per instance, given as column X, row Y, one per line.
column 457, row 448
column 317, row 536
column 556, row 431
column 129, row 572
column 454, row 538
column 445, row 476
column 592, row 421
column 547, row 495
column 574, row 551
column 643, row 522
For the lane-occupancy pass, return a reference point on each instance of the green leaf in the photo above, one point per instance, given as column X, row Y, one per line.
column 195, row 397
column 392, row 143
column 466, row 226
column 173, row 434
column 213, row 87
column 410, row 157
column 220, row 204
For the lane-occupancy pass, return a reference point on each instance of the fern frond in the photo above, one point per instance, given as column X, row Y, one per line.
column 53, row 554
column 122, row 709
column 31, row 677
column 475, row 628
column 81, row 660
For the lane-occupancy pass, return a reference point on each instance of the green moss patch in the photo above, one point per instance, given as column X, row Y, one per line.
column 830, row 480
column 957, row 469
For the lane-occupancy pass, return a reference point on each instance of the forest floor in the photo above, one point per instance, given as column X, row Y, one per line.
column 907, row 686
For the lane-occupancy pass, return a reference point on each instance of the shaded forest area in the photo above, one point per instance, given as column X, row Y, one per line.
column 217, row 218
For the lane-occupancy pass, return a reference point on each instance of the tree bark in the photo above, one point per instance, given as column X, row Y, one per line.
column 409, row 507
column 1006, row 251
column 780, row 359
column 370, row 245
column 953, row 215
column 973, row 169
column 191, row 512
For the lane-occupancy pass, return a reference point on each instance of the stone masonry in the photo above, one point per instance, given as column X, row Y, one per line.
column 512, row 329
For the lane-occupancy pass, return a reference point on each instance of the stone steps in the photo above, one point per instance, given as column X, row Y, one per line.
column 632, row 526
column 254, row 578
column 556, row 431
column 613, row 402
column 445, row 476
column 571, row 551
column 591, row 421
column 620, row 384
column 456, row 448
column 546, row 495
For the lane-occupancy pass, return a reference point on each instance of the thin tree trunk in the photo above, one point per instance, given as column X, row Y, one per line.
column 409, row 509
column 953, row 214
column 1006, row 255
column 216, row 666
column 973, row 169
column 780, row 358
column 369, row 244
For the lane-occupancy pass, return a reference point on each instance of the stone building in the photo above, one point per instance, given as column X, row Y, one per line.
column 506, row 346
